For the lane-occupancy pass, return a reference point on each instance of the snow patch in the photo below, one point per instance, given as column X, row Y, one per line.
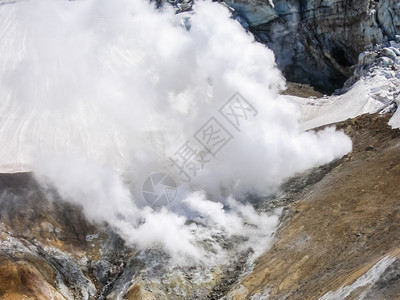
column 377, row 88
column 367, row 279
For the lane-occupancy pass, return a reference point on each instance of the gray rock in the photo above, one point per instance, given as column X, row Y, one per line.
column 388, row 285
column 389, row 53
column 395, row 50
column 101, row 270
column 255, row 12
column 389, row 17
column 366, row 57
column 386, row 62
column 318, row 42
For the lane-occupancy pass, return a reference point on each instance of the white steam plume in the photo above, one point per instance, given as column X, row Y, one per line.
column 87, row 80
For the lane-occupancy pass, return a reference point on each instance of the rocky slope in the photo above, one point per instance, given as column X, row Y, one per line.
column 339, row 236
column 48, row 250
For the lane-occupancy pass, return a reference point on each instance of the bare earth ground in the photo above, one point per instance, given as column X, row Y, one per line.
column 301, row 90
column 340, row 226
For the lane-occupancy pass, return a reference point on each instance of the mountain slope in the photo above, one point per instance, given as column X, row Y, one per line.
column 340, row 227
column 340, row 234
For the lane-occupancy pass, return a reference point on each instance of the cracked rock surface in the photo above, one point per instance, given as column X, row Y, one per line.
column 319, row 41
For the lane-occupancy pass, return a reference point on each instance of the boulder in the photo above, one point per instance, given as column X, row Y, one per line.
column 387, row 52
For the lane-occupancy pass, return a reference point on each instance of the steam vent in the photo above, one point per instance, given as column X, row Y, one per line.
column 199, row 149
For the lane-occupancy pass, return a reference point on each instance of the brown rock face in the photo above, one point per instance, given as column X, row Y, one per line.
column 342, row 225
column 45, row 252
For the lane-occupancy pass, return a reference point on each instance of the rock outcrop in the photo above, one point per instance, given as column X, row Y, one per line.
column 389, row 17
column 318, row 42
